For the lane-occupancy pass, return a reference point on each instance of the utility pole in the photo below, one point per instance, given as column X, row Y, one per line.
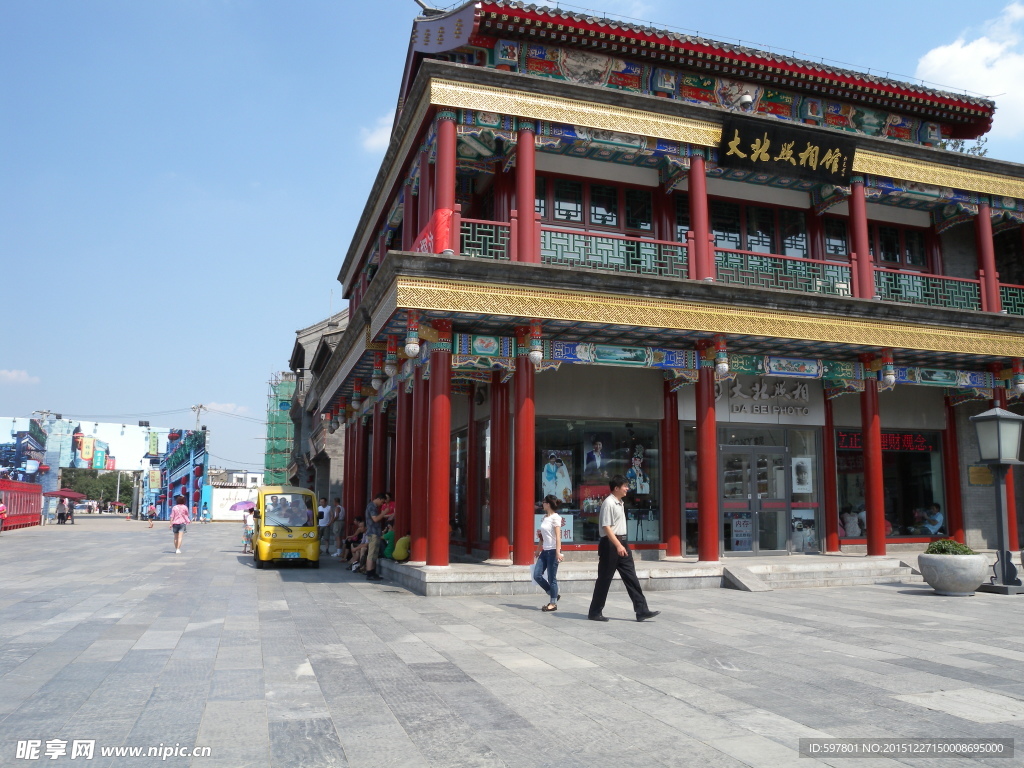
column 198, row 409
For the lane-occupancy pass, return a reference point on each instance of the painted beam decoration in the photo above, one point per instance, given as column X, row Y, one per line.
column 775, row 147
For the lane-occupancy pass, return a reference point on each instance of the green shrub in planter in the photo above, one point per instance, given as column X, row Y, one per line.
column 948, row 547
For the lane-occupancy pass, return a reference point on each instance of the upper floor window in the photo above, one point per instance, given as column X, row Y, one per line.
column 760, row 229
column 898, row 247
column 595, row 205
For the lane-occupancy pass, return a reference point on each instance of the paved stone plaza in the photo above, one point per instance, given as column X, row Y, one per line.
column 107, row 635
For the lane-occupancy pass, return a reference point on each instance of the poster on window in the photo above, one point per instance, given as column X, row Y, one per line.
column 742, row 534
column 803, row 475
column 567, row 527
column 556, row 475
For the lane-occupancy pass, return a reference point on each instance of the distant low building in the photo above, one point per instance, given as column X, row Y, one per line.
column 318, row 449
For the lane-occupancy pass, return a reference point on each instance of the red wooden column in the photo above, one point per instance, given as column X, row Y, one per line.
column 410, row 211
column 991, row 301
column 671, row 507
column 874, row 488
column 524, row 445
column 349, row 482
column 403, row 460
column 500, row 465
column 702, row 261
column 951, row 475
column 360, row 501
column 999, row 401
column 439, row 444
column 860, row 242
column 378, row 472
column 424, row 204
column 707, row 467
column 472, row 474
column 830, row 470
column 420, row 459
column 526, row 194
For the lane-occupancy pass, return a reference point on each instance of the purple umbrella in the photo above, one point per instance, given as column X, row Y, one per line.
column 242, row 505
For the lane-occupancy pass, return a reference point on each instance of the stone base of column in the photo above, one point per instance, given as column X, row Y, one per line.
column 489, row 561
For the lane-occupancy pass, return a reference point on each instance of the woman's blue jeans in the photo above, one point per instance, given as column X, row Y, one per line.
column 547, row 561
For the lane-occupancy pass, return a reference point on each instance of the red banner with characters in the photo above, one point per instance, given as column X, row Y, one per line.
column 436, row 236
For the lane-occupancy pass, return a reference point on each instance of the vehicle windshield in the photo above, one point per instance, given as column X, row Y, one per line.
column 294, row 509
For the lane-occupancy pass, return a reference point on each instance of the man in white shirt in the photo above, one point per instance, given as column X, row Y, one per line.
column 338, row 526
column 324, row 520
column 613, row 555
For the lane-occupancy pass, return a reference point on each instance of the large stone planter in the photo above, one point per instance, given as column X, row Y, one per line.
column 954, row 575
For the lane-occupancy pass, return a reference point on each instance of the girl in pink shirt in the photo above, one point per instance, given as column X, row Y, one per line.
column 179, row 519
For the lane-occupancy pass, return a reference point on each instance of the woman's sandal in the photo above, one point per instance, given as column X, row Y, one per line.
column 550, row 607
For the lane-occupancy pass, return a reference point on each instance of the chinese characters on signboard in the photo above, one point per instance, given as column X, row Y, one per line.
column 765, row 396
column 784, row 150
column 915, row 442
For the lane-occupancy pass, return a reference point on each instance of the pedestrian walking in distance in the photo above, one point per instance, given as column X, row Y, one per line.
column 550, row 553
column 179, row 521
column 613, row 554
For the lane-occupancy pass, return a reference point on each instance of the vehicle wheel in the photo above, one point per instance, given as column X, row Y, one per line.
column 314, row 563
column 256, row 557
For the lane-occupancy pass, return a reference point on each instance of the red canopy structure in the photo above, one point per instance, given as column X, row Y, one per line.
column 65, row 493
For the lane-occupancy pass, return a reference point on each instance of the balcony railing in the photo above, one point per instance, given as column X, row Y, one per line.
column 612, row 253
column 641, row 256
column 785, row 273
column 1012, row 299
column 486, row 239
column 929, row 290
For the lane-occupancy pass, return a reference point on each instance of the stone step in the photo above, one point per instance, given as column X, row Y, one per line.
column 845, row 573
column 843, row 581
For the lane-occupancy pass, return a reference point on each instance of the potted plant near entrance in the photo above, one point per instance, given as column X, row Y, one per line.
column 952, row 568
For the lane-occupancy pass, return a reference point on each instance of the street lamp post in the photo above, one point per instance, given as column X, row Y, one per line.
column 998, row 433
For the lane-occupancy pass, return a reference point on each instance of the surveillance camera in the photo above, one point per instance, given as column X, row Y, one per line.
column 746, row 100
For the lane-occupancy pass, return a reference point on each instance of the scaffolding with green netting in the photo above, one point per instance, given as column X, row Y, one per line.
column 280, row 431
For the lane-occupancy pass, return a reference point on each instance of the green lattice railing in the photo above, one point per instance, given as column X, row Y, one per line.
column 613, row 253
column 1012, row 299
column 930, row 290
column 485, row 239
column 782, row 273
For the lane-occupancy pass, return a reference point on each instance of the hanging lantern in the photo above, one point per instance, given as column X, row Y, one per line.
column 721, row 357
column 391, row 357
column 536, row 353
column 412, row 333
column 888, row 372
column 198, row 470
column 378, row 371
column 196, row 496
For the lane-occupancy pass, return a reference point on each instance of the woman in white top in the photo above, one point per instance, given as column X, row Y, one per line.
column 550, row 552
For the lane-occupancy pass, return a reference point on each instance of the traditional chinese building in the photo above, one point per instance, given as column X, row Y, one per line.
column 758, row 287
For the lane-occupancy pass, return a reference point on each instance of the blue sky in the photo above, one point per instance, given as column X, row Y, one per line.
column 180, row 179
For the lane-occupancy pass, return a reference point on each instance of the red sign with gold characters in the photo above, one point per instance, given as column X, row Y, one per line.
column 780, row 149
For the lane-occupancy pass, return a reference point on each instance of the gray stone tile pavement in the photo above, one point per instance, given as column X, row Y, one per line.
column 107, row 635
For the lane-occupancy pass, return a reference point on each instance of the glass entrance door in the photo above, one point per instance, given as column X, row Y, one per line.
column 755, row 499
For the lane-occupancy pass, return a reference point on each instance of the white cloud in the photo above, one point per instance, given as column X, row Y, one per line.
column 17, row 377
column 228, row 408
column 377, row 138
column 988, row 60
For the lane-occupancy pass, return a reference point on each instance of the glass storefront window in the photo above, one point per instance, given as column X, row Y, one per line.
column 803, row 457
column 483, row 442
column 577, row 457
column 912, row 478
column 457, row 484
column 690, row 487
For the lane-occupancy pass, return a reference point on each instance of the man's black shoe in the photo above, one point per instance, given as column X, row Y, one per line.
column 599, row 617
column 648, row 615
